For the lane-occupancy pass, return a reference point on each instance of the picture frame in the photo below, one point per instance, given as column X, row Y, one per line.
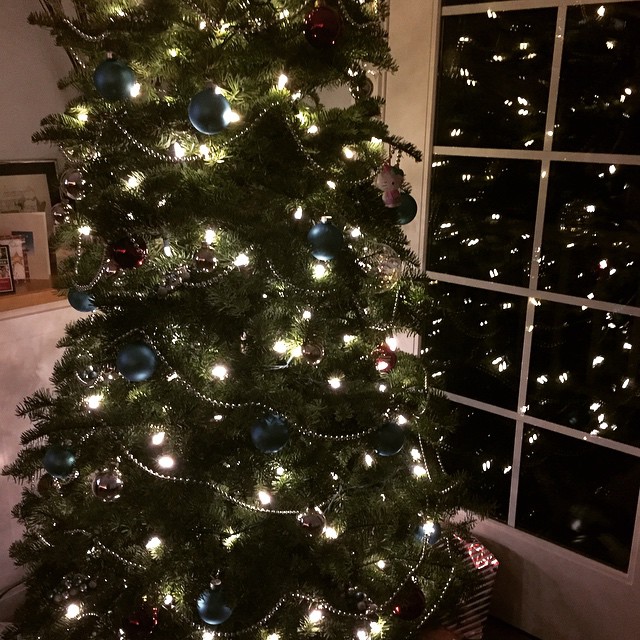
column 7, row 284
column 28, row 189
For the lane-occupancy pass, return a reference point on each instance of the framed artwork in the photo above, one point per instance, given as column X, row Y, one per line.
column 27, row 191
column 6, row 276
column 19, row 257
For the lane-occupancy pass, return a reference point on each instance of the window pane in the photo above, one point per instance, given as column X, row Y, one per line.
column 591, row 220
column 482, row 217
column 482, row 446
column 494, row 79
column 475, row 346
column 578, row 495
column 598, row 100
column 583, row 371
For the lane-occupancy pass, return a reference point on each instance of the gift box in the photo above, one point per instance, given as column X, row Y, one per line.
column 474, row 610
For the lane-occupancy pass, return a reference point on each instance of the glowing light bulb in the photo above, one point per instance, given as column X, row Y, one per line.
column 84, row 230
column 331, row 184
column 306, row 314
column 382, row 388
column 83, row 116
column 73, row 611
column 153, row 543
column 133, row 182
column 330, row 532
column 297, row 352
column 392, row 343
column 401, row 420
column 204, row 151
column 315, row 615
column 375, row 627
column 419, row 471
column 168, row 599
column 93, row 402
column 335, row 383
column 356, row 233
column 381, row 564
column 280, row 346
column 298, row 213
column 428, row 528
column 601, row 11
column 203, row 25
column 242, row 260
column 178, row 150
column 273, row 636
column 375, row 140
column 319, row 271
column 210, row 236
column 166, row 462
column 280, row 471
column 282, row 81
column 415, row 454
column 347, row 339
column 232, row 116
column 361, row 634
column 348, row 153
column 134, row 92
column 264, row 498
column 157, row 438
column 219, row 371
column 313, row 129
column 173, row 53
column 207, row 635
column 368, row 460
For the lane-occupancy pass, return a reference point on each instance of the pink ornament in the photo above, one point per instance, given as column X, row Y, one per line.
column 389, row 180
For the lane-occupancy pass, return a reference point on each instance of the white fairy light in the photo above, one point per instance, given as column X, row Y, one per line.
column 319, row 271
column 166, row 462
column 204, row 151
column 153, row 543
column 306, row 314
column 210, row 236
column 348, row 339
column 392, row 343
column 264, row 498
column 375, row 140
column 73, row 611
column 355, row 232
column 168, row 599
column 296, row 352
column 157, row 438
column 331, row 184
column 173, row 53
column 207, row 635
column 297, row 214
column 93, row 402
column 315, row 615
column 361, row 634
column 348, row 153
column 133, row 182
column 232, row 116
column 178, row 150
column 313, row 129
column 368, row 460
column 415, row 454
column 401, row 420
column 219, row 371
column 280, row 347
column 330, row 532
column 375, row 627
column 381, row 564
column 428, row 528
column 335, row 383
column 282, row 81
column 83, row 116
column 382, row 388
column 134, row 92
column 280, row 471
column 242, row 260
column 273, row 636
column 84, row 230
column 419, row 471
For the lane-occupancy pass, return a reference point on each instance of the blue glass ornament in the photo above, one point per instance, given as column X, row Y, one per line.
column 212, row 608
column 270, row 434
column 407, row 209
column 136, row 362
column 388, row 439
column 326, row 241
column 114, row 79
column 81, row 300
column 58, row 461
column 209, row 112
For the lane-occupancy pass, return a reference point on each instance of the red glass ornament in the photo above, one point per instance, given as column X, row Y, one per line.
column 322, row 27
column 141, row 623
column 128, row 253
column 385, row 358
column 409, row 603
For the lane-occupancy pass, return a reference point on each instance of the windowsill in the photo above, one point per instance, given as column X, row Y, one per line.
column 29, row 294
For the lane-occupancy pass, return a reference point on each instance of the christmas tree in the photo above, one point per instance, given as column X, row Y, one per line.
column 232, row 445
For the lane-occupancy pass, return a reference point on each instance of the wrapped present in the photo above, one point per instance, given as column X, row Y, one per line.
column 474, row 610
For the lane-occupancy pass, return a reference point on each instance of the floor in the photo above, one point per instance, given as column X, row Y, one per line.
column 495, row 629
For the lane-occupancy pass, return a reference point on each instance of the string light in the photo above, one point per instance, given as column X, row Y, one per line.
column 73, row 611
column 166, row 462
column 94, row 401
column 264, row 498
column 306, row 314
column 298, row 213
column 330, row 533
column 315, row 615
column 84, row 230
column 178, row 150
column 319, row 271
column 273, row 636
column 280, row 347
column 168, row 599
column 83, row 116
column 282, row 81
column 381, row 564
column 313, row 129
column 157, row 438
column 419, row 471
column 242, row 260
column 219, row 371
column 134, row 92
column 368, row 460
column 153, row 543
column 335, row 382
column 209, row 236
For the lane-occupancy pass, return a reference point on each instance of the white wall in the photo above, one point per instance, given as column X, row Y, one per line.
column 30, row 65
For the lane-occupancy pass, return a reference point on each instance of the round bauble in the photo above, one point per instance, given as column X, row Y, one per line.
column 88, row 375
column 209, row 112
column 406, row 211
column 128, row 253
column 387, row 264
column 409, row 602
column 61, row 212
column 312, row 352
column 136, row 362
column 270, row 433
column 388, row 439
column 313, row 522
column 72, row 184
column 107, row 485
column 204, row 258
column 385, row 358
column 361, row 87
column 322, row 26
column 81, row 300
column 58, row 461
column 212, row 608
column 114, row 79
column 326, row 241
column 141, row 623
